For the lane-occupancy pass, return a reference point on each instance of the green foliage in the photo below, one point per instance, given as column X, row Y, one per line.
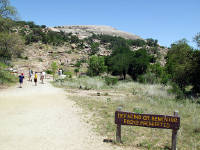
column 119, row 61
column 94, row 48
column 139, row 63
column 177, row 90
column 122, row 59
column 157, row 69
column 43, row 26
column 76, row 70
column 179, row 63
column 11, row 45
column 78, row 64
column 36, row 33
column 148, row 78
column 152, row 42
column 51, row 37
column 154, row 50
column 40, row 60
column 31, row 24
column 6, row 10
column 165, row 78
column 137, row 42
column 155, row 74
column 68, row 74
column 54, row 68
column 49, row 71
column 111, row 80
column 96, row 66
column 196, row 39
column 114, row 42
column 5, row 76
column 195, row 71
column 5, row 24
column 74, row 39
column 183, row 65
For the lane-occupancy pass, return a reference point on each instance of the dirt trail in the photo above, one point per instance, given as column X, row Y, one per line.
column 42, row 118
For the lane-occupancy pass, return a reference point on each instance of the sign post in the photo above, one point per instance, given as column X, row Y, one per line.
column 118, row 133
column 174, row 134
column 147, row 120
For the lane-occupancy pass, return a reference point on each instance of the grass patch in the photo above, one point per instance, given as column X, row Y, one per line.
column 139, row 98
column 84, row 82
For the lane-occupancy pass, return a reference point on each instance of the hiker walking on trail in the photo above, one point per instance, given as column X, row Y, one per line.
column 35, row 78
column 21, row 77
column 30, row 73
column 42, row 77
column 60, row 72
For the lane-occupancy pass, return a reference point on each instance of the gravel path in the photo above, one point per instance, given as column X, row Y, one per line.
column 42, row 118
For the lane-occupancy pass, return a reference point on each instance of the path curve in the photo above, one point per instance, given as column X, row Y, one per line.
column 43, row 118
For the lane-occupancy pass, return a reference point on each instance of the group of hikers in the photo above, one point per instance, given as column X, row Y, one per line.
column 30, row 74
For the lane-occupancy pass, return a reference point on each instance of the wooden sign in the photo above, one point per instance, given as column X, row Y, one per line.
column 147, row 120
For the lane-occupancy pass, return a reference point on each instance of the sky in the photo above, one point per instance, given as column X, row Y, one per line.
column 165, row 20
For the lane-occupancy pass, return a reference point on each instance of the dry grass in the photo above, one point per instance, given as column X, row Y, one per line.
column 135, row 97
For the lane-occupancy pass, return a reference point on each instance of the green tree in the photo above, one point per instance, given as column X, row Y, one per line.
column 140, row 61
column 94, row 48
column 5, row 24
column 11, row 45
column 157, row 69
column 137, row 42
column 78, row 63
column 179, row 63
column 120, row 60
column 155, row 74
column 152, row 42
column 54, row 68
column 6, row 10
column 76, row 70
column 96, row 65
column 197, row 39
column 195, row 71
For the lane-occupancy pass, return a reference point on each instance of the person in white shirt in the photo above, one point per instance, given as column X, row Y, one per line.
column 42, row 76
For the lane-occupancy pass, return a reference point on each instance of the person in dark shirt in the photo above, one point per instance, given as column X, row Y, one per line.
column 21, row 78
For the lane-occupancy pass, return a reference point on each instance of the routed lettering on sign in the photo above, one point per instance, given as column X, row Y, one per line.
column 147, row 120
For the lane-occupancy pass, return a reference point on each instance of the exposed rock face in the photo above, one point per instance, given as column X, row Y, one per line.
column 84, row 31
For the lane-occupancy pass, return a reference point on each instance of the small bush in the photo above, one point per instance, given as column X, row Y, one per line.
column 76, row 70
column 68, row 74
column 110, row 80
column 138, row 110
column 165, row 78
column 49, row 72
column 148, row 78
column 78, row 64
column 176, row 90
column 134, row 92
column 40, row 60
column 5, row 76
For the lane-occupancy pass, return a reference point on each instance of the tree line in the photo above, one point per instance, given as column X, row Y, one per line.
column 182, row 69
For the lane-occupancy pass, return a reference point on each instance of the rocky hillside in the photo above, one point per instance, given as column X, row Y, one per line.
column 85, row 31
column 68, row 45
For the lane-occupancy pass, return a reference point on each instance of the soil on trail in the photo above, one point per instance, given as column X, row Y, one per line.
column 43, row 118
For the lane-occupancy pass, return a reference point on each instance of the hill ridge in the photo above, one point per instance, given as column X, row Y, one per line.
column 84, row 31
